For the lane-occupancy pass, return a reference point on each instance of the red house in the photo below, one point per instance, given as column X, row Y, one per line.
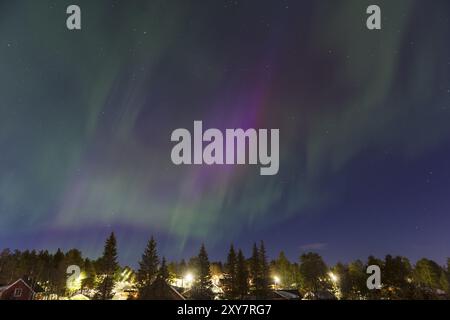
column 22, row 289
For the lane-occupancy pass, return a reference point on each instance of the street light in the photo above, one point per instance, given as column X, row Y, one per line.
column 277, row 281
column 333, row 277
column 188, row 279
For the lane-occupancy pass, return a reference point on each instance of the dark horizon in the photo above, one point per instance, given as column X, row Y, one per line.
column 218, row 253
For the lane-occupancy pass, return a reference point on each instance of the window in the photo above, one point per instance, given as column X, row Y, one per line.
column 17, row 292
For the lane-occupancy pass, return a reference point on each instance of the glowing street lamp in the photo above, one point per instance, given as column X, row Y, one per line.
column 333, row 277
column 277, row 281
column 188, row 279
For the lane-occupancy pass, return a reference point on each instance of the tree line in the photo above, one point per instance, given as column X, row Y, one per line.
column 239, row 277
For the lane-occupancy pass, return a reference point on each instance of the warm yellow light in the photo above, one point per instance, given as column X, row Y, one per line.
column 125, row 275
column 75, row 284
column 277, row 280
column 189, row 277
column 333, row 277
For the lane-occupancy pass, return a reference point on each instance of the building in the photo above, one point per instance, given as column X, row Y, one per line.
column 161, row 290
column 22, row 289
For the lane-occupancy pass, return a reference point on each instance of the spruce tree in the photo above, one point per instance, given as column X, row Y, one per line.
column 259, row 272
column 241, row 276
column 231, row 269
column 163, row 270
column 109, row 268
column 148, row 268
column 255, row 272
column 202, row 287
column 264, row 272
column 204, row 269
column 58, row 274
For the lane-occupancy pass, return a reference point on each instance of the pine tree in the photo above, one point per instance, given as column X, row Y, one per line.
column 163, row 270
column 148, row 266
column 255, row 270
column 231, row 269
column 148, row 269
column 264, row 272
column 58, row 275
column 204, row 269
column 109, row 267
column 259, row 272
column 241, row 276
column 202, row 288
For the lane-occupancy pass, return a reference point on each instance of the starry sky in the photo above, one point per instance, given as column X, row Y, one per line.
column 364, row 118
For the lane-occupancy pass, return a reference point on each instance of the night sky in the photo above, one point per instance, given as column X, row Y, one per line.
column 364, row 118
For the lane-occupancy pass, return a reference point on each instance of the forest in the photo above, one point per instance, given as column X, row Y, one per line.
column 237, row 277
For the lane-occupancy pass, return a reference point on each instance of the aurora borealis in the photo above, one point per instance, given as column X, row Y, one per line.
column 364, row 117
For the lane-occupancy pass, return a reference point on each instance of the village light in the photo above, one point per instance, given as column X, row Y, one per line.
column 333, row 277
column 125, row 275
column 75, row 284
column 277, row 281
column 189, row 278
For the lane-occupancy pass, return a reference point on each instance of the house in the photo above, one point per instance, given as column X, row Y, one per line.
column 319, row 295
column 161, row 290
column 22, row 289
